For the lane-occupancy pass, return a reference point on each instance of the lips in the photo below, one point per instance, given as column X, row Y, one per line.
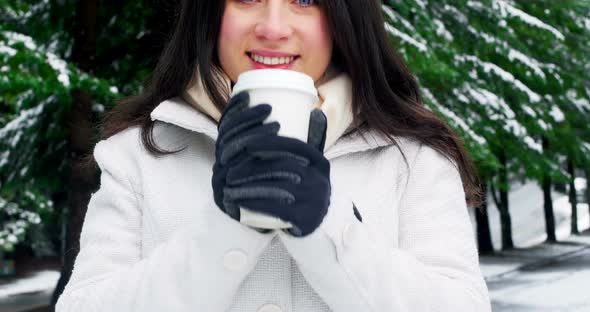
column 257, row 65
column 271, row 53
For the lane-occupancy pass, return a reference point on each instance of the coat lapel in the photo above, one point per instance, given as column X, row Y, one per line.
column 177, row 112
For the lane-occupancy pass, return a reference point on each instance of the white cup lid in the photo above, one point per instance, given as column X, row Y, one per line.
column 275, row 78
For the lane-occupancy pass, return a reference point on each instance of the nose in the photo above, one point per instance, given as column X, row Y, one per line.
column 274, row 23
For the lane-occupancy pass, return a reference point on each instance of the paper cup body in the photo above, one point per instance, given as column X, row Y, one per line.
column 292, row 95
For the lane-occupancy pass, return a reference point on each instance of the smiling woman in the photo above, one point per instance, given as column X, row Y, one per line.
column 377, row 196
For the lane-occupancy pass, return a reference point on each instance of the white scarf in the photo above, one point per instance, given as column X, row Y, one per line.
column 335, row 93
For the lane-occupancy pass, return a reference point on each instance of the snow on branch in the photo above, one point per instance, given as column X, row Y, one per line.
column 507, row 9
column 513, row 54
column 56, row 63
column 498, row 110
column 405, row 37
column 450, row 115
column 503, row 74
column 27, row 118
column 397, row 18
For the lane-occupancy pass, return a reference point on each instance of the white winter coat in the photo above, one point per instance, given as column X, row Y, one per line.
column 154, row 240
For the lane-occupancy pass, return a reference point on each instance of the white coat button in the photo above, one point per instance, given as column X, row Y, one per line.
column 270, row 308
column 235, row 260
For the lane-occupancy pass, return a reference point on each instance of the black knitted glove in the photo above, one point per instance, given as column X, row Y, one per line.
column 238, row 126
column 286, row 178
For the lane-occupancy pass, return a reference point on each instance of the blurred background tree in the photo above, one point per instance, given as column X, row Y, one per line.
column 510, row 77
column 64, row 64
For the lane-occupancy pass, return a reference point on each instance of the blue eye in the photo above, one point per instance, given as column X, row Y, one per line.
column 303, row 3
column 306, row 3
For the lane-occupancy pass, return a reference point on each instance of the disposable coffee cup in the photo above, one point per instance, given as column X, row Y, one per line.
column 292, row 96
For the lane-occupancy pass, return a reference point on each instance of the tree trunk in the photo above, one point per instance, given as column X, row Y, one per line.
column 548, row 203
column 484, row 237
column 81, row 179
column 572, row 195
column 505, row 219
column 548, row 209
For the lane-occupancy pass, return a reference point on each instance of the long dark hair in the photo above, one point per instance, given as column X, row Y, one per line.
column 386, row 96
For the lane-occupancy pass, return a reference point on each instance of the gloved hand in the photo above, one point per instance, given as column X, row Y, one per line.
column 285, row 178
column 239, row 125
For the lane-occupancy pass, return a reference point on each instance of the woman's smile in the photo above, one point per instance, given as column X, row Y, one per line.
column 261, row 60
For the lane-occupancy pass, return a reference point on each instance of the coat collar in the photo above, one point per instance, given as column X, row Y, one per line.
column 177, row 112
column 195, row 111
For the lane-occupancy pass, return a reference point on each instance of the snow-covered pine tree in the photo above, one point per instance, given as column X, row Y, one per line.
column 35, row 86
column 493, row 69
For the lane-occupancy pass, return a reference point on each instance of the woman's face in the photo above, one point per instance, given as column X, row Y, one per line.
column 287, row 27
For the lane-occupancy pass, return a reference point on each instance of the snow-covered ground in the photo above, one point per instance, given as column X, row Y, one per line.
column 28, row 293
column 39, row 281
column 548, row 277
column 528, row 221
column 554, row 286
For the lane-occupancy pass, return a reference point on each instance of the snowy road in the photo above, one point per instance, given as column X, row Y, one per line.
column 557, row 286
column 540, row 286
column 27, row 293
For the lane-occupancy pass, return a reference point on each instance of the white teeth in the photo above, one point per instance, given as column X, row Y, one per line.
column 272, row 60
